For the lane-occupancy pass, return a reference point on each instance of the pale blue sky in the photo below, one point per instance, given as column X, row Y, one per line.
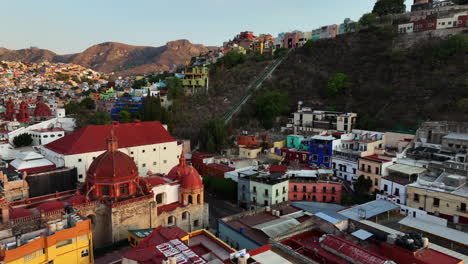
column 69, row 26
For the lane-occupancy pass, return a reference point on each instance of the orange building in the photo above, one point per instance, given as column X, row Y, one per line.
column 65, row 241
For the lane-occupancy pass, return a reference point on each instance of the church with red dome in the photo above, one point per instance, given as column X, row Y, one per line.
column 117, row 199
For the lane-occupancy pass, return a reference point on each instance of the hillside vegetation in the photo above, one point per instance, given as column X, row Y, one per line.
column 389, row 89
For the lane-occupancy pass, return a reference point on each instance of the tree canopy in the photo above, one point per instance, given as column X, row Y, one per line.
column 22, row 140
column 101, row 118
column 174, row 89
column 125, row 116
column 268, row 105
column 386, row 7
column 368, row 19
column 213, row 136
column 337, row 84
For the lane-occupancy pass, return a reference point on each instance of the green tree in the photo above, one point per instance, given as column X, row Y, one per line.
column 309, row 46
column 72, row 107
column 269, row 105
column 151, row 109
column 101, row 118
column 362, row 185
column 125, row 116
column 368, row 19
column 175, row 89
column 337, row 84
column 88, row 103
column 386, row 7
column 22, row 140
column 213, row 136
column 457, row 44
column 232, row 59
column 138, row 84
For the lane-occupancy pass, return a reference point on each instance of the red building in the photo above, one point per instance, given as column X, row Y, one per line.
column 199, row 160
column 23, row 115
column 10, row 110
column 246, row 35
column 292, row 155
column 216, row 170
column 463, row 21
column 42, row 110
column 301, row 189
column 425, row 25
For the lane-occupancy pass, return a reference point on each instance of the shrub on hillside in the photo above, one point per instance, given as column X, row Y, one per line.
column 337, row 84
column 453, row 45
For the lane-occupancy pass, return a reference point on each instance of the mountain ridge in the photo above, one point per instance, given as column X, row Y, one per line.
column 116, row 57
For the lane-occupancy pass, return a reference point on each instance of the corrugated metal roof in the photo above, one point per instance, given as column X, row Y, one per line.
column 437, row 230
column 457, row 136
column 368, row 210
column 362, row 234
column 327, row 218
column 278, row 226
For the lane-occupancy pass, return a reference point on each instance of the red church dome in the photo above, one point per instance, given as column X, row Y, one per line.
column 187, row 175
column 42, row 110
column 113, row 173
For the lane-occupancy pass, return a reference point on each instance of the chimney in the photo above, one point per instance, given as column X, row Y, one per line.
column 18, row 239
column 172, row 260
column 243, row 259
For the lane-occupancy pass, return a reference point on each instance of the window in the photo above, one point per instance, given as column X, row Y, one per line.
column 324, row 189
column 436, row 202
column 314, row 158
column 84, row 253
column 385, row 187
column 376, row 182
column 124, row 188
column 463, row 207
column 334, row 165
column 164, row 148
column 314, row 189
column 397, row 192
column 376, row 170
column 333, row 199
column 295, row 197
column 105, row 190
column 333, row 190
column 284, row 189
column 64, row 243
column 79, row 160
column 171, row 220
column 314, row 198
column 184, row 215
column 154, row 163
column 52, row 136
column 143, row 165
column 416, row 197
column 368, row 168
column 80, row 176
column 266, row 192
column 363, row 167
column 196, row 223
column 45, row 136
column 131, row 152
column 143, row 151
column 165, row 161
column 154, row 149
column 324, row 198
column 277, row 192
column 255, row 189
column 326, row 159
column 265, row 203
column 304, row 188
column 354, row 171
column 295, row 188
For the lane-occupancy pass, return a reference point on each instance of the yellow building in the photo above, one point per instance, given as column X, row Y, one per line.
column 373, row 167
column 441, row 195
column 251, row 153
column 195, row 80
column 67, row 241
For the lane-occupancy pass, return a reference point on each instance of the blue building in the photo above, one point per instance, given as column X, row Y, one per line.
column 321, row 149
column 131, row 104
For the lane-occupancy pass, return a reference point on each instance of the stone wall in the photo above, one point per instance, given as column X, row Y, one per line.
column 185, row 217
column 130, row 215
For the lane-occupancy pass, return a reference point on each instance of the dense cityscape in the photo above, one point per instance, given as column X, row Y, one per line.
column 229, row 155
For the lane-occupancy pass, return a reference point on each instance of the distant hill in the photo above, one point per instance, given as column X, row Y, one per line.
column 116, row 57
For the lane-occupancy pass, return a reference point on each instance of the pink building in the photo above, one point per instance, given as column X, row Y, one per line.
column 315, row 191
column 292, row 39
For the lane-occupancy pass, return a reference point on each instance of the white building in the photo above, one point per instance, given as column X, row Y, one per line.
column 306, row 121
column 46, row 135
column 449, row 21
column 352, row 146
column 405, row 28
column 149, row 144
column 399, row 176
